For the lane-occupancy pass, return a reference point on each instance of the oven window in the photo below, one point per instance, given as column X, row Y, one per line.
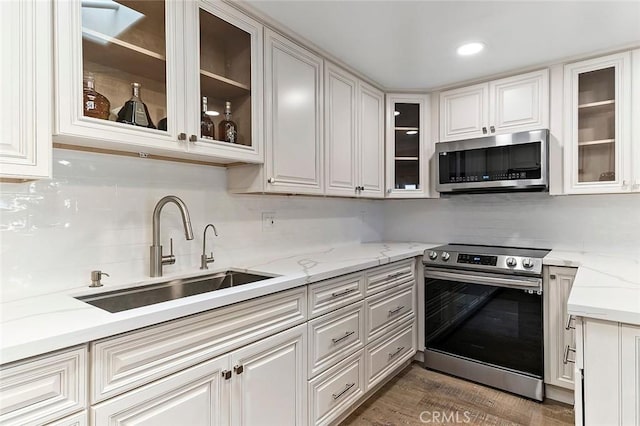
column 510, row 162
column 494, row 325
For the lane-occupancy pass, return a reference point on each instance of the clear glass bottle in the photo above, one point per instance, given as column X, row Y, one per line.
column 207, row 128
column 94, row 104
column 134, row 111
column 227, row 129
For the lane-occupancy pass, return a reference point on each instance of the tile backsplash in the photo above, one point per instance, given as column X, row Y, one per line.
column 96, row 213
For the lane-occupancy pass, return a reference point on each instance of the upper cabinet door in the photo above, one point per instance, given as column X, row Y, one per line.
column 519, row 103
column 597, row 143
column 371, row 141
column 293, row 117
column 340, row 131
column 224, row 82
column 25, row 84
column 464, row 113
column 117, row 73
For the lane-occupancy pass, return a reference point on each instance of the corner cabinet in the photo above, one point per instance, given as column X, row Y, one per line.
column 508, row 105
column 25, row 84
column 354, row 136
column 180, row 56
column 408, row 145
column 294, row 149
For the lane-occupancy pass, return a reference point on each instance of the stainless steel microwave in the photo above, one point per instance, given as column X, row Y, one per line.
column 517, row 161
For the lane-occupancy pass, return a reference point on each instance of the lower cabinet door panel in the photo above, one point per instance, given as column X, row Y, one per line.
column 195, row 396
column 389, row 308
column 334, row 391
column 269, row 383
column 80, row 419
column 387, row 353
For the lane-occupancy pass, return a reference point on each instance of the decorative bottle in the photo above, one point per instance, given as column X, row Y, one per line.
column 227, row 129
column 207, row 128
column 134, row 111
column 94, row 104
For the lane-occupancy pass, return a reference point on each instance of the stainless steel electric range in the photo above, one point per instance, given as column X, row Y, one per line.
column 483, row 308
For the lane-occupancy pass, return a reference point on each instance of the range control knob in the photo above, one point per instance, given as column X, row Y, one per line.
column 511, row 262
column 445, row 256
column 527, row 263
column 433, row 255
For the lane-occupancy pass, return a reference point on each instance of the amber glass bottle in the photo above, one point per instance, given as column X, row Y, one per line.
column 94, row 104
column 207, row 128
column 227, row 129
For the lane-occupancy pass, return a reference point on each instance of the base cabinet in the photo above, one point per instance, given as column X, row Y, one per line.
column 608, row 369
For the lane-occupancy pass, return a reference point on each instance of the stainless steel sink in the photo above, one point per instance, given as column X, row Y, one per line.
column 123, row 300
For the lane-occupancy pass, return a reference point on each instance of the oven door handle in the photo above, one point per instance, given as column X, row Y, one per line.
column 523, row 283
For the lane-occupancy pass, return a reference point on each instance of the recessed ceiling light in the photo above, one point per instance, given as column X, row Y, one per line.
column 470, row 48
column 213, row 113
column 396, row 113
column 412, row 132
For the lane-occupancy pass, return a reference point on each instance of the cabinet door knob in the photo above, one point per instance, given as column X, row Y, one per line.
column 493, row 129
column 182, row 136
column 238, row 369
column 271, row 180
column 226, row 374
column 484, row 130
column 193, row 138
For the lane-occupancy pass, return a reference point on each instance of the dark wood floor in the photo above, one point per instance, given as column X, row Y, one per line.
column 443, row 400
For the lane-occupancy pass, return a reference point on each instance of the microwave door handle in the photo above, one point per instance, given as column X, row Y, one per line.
column 523, row 283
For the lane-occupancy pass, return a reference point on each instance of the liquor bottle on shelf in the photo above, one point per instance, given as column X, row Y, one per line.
column 227, row 129
column 134, row 111
column 207, row 128
column 94, row 104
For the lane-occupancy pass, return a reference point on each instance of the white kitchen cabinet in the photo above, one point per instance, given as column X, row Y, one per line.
column 25, row 84
column 557, row 286
column 79, row 419
column 269, row 381
column 508, row 105
column 196, row 396
column 408, row 145
column 354, row 141
column 607, row 362
column 294, row 148
column 597, row 117
column 635, row 112
column 178, row 52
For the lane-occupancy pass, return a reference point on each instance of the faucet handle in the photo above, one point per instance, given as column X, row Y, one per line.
column 170, row 259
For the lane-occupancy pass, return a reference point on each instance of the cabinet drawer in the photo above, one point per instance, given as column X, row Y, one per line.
column 326, row 296
column 334, row 336
column 335, row 390
column 389, row 308
column 79, row 419
column 44, row 389
column 387, row 353
column 387, row 276
column 133, row 359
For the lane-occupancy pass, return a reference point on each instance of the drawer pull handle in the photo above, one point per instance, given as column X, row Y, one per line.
column 396, row 275
column 568, row 326
column 400, row 349
column 396, row 310
column 566, row 355
column 342, row 293
column 343, row 391
column 340, row 339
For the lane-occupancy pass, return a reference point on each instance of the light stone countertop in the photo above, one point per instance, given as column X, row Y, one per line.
column 37, row 325
column 606, row 287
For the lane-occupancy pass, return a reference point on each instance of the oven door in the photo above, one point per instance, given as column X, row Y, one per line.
column 493, row 319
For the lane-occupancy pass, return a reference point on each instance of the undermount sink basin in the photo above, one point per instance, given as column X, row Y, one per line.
column 125, row 299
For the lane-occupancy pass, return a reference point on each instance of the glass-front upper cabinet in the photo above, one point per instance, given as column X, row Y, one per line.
column 407, row 152
column 226, row 76
column 598, row 125
column 171, row 78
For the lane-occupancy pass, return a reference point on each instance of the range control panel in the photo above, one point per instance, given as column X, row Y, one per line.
column 477, row 259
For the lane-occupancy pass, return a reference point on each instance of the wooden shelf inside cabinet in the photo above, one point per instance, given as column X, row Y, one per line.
column 103, row 49
column 406, row 158
column 598, row 142
column 219, row 87
column 597, row 107
column 407, row 128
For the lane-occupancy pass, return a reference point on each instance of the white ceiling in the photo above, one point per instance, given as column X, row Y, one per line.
column 411, row 44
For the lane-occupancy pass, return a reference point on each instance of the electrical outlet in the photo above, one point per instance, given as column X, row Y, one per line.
column 268, row 221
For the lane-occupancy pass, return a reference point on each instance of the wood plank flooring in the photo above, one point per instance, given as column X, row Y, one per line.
column 445, row 400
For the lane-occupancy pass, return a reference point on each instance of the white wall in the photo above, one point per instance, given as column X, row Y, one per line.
column 96, row 214
column 602, row 223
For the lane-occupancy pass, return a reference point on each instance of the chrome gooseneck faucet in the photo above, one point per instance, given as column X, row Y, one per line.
column 157, row 258
column 204, row 259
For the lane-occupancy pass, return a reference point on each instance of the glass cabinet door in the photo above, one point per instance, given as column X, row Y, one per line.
column 406, row 135
column 124, row 63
